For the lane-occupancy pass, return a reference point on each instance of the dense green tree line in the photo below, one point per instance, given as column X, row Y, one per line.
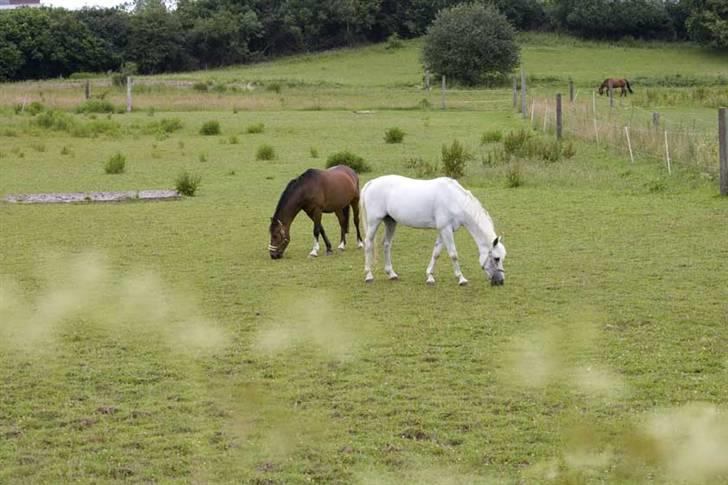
column 42, row 43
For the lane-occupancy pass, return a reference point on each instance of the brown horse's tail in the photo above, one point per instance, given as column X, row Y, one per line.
column 346, row 211
column 629, row 88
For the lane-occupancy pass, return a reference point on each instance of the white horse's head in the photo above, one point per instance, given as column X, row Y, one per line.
column 493, row 264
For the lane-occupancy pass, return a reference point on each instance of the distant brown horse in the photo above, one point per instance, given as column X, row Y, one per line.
column 315, row 192
column 616, row 83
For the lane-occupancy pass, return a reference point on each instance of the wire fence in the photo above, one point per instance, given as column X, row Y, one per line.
column 675, row 144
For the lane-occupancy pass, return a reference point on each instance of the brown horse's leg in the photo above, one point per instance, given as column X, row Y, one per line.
column 355, row 207
column 343, row 216
column 319, row 229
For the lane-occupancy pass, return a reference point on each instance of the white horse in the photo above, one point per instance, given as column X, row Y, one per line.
column 441, row 204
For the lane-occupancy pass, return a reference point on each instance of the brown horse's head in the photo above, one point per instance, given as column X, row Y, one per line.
column 278, row 238
column 603, row 87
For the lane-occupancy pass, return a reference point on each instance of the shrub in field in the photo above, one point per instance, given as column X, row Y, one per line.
column 118, row 79
column 115, row 164
column 314, row 152
column 169, row 125
column 54, row 120
column 454, row 159
column 255, row 128
column 568, row 150
column 274, row 86
column 469, row 41
column 210, row 128
column 394, row 42
column 187, row 184
column 219, row 88
column 95, row 106
column 394, row 135
column 34, row 108
column 421, row 168
column 265, row 152
column 200, row 86
column 357, row 163
column 233, row 140
column 492, row 136
column 514, row 141
column 513, row 176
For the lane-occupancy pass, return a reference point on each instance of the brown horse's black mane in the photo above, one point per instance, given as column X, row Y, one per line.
column 291, row 188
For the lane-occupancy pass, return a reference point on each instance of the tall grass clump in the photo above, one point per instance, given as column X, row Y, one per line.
column 355, row 162
column 421, row 168
column 514, row 177
column 514, row 141
column 394, row 135
column 255, row 128
column 187, row 184
column 492, row 136
column 96, row 106
column 265, row 152
column 115, row 164
column 210, row 128
column 454, row 159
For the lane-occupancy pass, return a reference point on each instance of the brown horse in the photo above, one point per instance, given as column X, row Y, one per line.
column 315, row 192
column 623, row 84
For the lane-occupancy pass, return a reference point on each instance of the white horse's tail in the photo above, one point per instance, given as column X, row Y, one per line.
column 363, row 209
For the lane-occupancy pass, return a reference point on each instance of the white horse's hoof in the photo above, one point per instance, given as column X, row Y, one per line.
column 313, row 254
column 393, row 276
column 463, row 281
column 430, row 280
column 369, row 278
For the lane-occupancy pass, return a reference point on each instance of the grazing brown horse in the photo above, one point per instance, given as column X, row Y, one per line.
column 616, row 83
column 315, row 192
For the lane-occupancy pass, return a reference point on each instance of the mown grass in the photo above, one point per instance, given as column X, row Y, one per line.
column 159, row 342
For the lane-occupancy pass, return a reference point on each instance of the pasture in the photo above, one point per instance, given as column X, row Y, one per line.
column 158, row 342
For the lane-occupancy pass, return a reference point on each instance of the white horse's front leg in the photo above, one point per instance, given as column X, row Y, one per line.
column 431, row 267
column 449, row 240
column 372, row 227
column 389, row 228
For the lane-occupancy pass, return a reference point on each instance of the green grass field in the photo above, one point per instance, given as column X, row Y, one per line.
column 158, row 342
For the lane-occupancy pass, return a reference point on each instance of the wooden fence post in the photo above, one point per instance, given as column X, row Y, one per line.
column 655, row 120
column 611, row 94
column 515, row 92
column 444, row 88
column 128, row 94
column 723, row 142
column 571, row 91
column 87, row 89
column 427, row 80
column 559, row 120
column 667, row 155
column 523, row 93
column 629, row 144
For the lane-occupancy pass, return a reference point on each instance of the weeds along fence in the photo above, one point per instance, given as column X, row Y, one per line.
column 632, row 134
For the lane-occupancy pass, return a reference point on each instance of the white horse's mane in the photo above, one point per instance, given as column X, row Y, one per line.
column 475, row 210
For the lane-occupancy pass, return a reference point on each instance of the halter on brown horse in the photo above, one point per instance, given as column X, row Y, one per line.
column 315, row 192
column 616, row 83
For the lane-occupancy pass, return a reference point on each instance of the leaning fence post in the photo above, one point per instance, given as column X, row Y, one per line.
column 667, row 155
column 571, row 91
column 515, row 92
column 723, row 143
column 559, row 120
column 655, row 120
column 427, row 80
column 611, row 94
column 87, row 89
column 523, row 93
column 594, row 104
column 629, row 144
column 128, row 94
column 596, row 131
column 444, row 88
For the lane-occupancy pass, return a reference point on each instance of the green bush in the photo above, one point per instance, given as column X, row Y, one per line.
column 313, row 151
column 468, row 41
column 200, row 86
column 265, row 152
column 514, row 141
column 210, row 128
column 274, row 86
column 454, row 159
column 421, row 168
column 492, row 136
column 394, row 42
column 34, row 108
column 255, row 128
column 170, row 125
column 95, row 106
column 513, row 176
column 115, row 164
column 233, row 140
column 393, row 135
column 355, row 162
column 187, row 184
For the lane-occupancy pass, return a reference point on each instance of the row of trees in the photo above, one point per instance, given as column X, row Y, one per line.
column 41, row 43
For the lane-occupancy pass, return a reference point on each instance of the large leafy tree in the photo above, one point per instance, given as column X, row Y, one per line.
column 647, row 19
column 708, row 23
column 156, row 40
column 468, row 42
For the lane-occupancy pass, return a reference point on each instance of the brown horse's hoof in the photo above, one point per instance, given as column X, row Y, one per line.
column 329, row 252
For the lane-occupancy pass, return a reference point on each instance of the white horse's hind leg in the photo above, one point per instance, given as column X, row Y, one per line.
column 389, row 227
column 447, row 238
column 372, row 227
column 431, row 267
